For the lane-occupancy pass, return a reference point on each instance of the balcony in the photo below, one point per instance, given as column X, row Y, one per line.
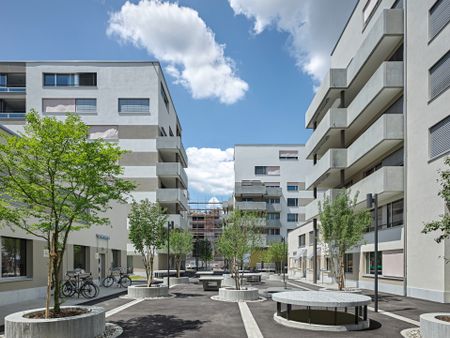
column 273, row 223
column 379, row 43
column 172, row 145
column 387, row 182
column 273, row 192
column 172, row 196
column 327, row 133
column 382, row 88
column 172, row 170
column 385, row 134
column 12, row 83
column 12, row 116
column 273, row 207
column 312, row 209
column 273, row 239
column 251, row 206
column 250, row 189
column 326, row 173
column 178, row 220
column 12, row 108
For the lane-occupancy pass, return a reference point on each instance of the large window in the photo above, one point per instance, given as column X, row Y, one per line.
column 348, row 263
column 104, row 132
column 288, row 155
column 292, row 217
column 439, row 138
column 134, row 105
column 267, row 170
column 440, row 76
column 389, row 215
column 69, row 79
column 79, row 257
column 291, row 186
column 439, row 17
column 301, row 241
column 292, row 202
column 115, row 258
column 14, row 257
column 273, row 215
column 370, row 263
column 69, row 105
column 85, row 105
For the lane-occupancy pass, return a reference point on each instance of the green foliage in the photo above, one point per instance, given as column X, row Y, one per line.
column 146, row 232
column 203, row 250
column 443, row 224
column 240, row 236
column 277, row 253
column 56, row 180
column 180, row 246
column 341, row 228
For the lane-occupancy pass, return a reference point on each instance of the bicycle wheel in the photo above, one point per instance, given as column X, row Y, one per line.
column 108, row 281
column 125, row 281
column 97, row 289
column 67, row 289
column 88, row 290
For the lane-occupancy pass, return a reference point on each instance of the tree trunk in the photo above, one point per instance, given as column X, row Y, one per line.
column 150, row 278
column 236, row 274
column 56, row 278
column 49, row 285
column 341, row 282
column 178, row 264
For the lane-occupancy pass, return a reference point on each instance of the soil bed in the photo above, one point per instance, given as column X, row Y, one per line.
column 65, row 312
column 443, row 318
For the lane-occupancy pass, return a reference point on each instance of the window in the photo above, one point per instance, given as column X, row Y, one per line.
column 273, row 215
column 393, row 263
column 389, row 215
column 260, row 170
column 439, row 17
column 272, row 184
column 267, row 170
column 85, row 105
column 311, row 238
column 369, row 9
column 273, row 201
column 292, row 217
column 301, row 241
column 104, row 132
column 14, row 254
column 439, row 78
column 134, row 105
column 396, row 217
column 164, row 96
column 288, row 154
column 292, row 187
column 348, row 263
column 70, row 80
column 115, row 259
column 79, row 257
column 370, row 263
column 2, row 80
column 292, row 202
column 439, row 138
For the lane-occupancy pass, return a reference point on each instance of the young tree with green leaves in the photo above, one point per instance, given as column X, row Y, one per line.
column 240, row 236
column 341, row 228
column 442, row 224
column 277, row 253
column 146, row 232
column 180, row 246
column 56, row 180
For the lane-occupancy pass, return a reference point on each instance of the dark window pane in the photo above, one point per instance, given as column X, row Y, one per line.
column 13, row 257
column 134, row 105
column 65, row 80
column 49, row 80
column 87, row 79
column 79, row 257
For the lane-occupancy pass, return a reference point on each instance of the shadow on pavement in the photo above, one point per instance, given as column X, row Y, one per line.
column 186, row 295
column 374, row 325
column 158, row 326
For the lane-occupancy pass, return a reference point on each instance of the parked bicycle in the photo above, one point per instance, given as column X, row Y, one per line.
column 80, row 283
column 116, row 276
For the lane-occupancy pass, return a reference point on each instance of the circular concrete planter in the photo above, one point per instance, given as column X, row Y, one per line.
column 276, row 277
column 176, row 280
column 432, row 327
column 89, row 325
column 232, row 295
column 143, row 291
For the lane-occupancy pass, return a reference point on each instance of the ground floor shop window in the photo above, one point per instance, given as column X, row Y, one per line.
column 370, row 263
column 116, row 258
column 348, row 263
column 14, row 257
column 79, row 257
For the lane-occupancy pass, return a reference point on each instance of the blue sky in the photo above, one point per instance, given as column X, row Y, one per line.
column 271, row 49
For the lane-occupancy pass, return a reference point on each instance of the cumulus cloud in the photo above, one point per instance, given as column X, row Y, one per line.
column 313, row 27
column 177, row 35
column 211, row 170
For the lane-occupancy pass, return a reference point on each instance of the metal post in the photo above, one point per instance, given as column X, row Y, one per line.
column 315, row 251
column 375, row 199
column 282, row 264
column 169, row 225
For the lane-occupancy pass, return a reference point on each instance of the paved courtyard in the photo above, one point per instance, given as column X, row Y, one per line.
column 192, row 313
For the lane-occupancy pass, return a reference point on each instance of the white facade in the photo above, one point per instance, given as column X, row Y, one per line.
column 373, row 119
column 279, row 192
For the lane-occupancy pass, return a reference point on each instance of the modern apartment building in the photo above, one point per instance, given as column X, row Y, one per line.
column 270, row 179
column 381, row 125
column 123, row 102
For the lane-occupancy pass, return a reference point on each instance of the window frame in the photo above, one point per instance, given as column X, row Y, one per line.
column 22, row 250
column 430, row 97
column 132, row 98
column 438, row 32
column 435, row 157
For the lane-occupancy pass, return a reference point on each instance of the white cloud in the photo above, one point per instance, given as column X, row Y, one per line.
column 211, row 170
column 178, row 36
column 313, row 27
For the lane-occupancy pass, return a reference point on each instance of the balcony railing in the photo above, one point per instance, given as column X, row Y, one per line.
column 12, row 116
column 12, row 89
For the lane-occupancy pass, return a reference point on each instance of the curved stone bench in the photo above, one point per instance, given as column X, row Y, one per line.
column 232, row 295
column 143, row 291
column 432, row 327
column 319, row 319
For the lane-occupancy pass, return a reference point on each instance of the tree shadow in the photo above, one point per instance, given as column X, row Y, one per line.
column 158, row 326
column 186, row 295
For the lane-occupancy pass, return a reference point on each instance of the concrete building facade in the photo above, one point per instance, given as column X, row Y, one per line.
column 271, row 179
column 123, row 102
column 381, row 124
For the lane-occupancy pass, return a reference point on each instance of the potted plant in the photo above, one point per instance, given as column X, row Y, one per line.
column 240, row 237
column 438, row 324
column 341, row 228
column 180, row 246
column 146, row 233
column 56, row 180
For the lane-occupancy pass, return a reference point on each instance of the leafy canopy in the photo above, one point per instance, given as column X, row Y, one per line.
column 180, row 242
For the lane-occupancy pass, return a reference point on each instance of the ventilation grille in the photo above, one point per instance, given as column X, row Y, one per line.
column 440, row 138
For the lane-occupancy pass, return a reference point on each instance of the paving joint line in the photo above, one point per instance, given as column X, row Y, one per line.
column 122, row 307
column 250, row 325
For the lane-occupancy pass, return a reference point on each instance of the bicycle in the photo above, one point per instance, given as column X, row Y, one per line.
column 79, row 283
column 117, row 276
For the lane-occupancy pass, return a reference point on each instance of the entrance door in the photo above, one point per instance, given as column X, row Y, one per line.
column 102, row 265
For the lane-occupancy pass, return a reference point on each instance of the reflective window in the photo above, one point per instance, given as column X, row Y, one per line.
column 13, row 257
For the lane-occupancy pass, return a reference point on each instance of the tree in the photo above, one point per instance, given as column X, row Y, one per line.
column 443, row 224
column 240, row 237
column 180, row 246
column 277, row 253
column 204, row 251
column 56, row 180
column 146, row 232
column 341, row 228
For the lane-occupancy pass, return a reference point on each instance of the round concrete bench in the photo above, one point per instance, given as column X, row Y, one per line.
column 432, row 327
column 232, row 295
column 143, row 291
column 315, row 314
